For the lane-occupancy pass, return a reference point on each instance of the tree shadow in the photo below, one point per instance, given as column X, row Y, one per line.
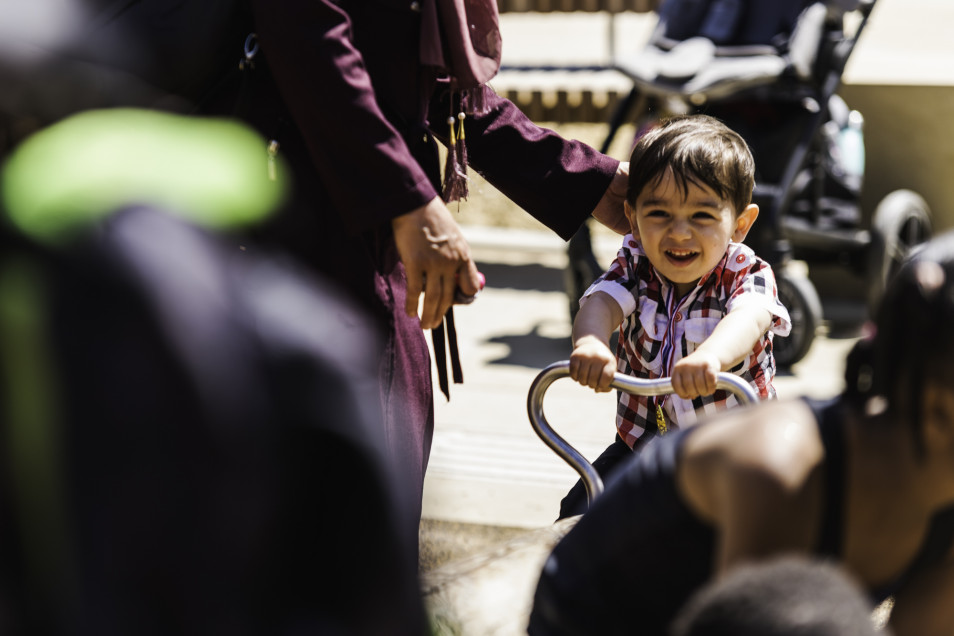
column 529, row 277
column 532, row 349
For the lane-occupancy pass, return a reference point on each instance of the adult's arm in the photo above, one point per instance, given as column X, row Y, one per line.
column 560, row 182
column 361, row 158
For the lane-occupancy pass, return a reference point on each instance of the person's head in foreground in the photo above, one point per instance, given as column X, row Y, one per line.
column 786, row 597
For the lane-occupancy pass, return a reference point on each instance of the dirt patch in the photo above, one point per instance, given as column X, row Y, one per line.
column 444, row 541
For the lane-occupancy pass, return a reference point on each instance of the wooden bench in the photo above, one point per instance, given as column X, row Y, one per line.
column 572, row 92
column 566, row 6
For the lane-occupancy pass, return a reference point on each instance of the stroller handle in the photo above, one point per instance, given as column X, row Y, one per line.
column 638, row 386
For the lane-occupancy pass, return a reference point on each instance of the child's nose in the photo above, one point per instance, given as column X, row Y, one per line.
column 680, row 228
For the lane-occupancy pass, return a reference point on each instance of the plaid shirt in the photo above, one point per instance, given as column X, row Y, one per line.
column 659, row 329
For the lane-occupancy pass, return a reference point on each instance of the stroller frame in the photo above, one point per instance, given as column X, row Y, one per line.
column 810, row 205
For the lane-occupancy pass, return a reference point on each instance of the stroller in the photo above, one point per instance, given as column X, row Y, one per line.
column 770, row 69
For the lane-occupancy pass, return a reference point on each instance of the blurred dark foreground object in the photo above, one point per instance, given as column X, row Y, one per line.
column 188, row 426
column 185, row 447
column 785, row 596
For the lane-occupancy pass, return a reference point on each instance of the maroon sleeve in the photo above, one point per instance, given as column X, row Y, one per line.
column 323, row 80
column 558, row 181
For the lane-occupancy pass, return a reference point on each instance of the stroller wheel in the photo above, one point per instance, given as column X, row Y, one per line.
column 901, row 221
column 800, row 297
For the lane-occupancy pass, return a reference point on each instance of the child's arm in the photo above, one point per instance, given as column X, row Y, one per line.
column 592, row 363
column 728, row 344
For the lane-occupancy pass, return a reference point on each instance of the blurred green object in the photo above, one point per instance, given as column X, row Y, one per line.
column 216, row 173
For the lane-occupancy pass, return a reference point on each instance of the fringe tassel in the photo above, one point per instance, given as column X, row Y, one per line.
column 474, row 101
column 446, row 330
column 440, row 359
column 455, row 175
column 462, row 151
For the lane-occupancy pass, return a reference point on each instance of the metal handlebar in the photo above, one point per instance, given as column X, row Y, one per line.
column 638, row 386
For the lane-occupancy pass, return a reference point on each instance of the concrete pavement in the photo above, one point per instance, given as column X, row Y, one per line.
column 487, row 465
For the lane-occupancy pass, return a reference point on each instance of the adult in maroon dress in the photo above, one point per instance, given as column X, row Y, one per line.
column 356, row 112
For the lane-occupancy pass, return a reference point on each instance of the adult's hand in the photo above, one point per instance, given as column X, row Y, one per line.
column 609, row 210
column 437, row 260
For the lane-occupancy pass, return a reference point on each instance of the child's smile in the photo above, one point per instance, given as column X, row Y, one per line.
column 681, row 255
column 685, row 233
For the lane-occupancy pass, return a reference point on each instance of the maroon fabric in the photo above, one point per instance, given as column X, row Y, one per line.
column 356, row 100
column 407, row 390
column 319, row 58
column 461, row 37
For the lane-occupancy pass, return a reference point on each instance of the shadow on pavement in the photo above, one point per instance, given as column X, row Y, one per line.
column 530, row 277
column 532, row 349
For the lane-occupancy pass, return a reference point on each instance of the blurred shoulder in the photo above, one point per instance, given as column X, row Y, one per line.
column 768, row 450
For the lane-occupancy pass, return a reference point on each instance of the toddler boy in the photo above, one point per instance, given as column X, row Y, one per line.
column 689, row 299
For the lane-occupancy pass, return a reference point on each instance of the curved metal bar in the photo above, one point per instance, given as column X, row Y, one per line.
column 660, row 386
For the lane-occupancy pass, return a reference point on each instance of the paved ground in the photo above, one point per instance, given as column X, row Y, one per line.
column 487, row 467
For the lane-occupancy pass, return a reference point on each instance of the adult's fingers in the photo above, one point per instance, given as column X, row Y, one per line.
column 433, row 252
column 438, row 297
column 468, row 278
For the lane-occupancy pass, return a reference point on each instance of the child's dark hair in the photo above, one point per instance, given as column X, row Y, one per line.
column 913, row 340
column 698, row 149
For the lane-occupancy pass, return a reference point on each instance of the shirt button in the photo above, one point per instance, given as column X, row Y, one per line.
column 632, row 243
column 678, row 316
column 740, row 258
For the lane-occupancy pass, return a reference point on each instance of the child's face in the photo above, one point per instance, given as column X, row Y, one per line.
column 685, row 236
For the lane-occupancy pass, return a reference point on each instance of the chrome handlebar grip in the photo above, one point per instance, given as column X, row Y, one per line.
column 660, row 386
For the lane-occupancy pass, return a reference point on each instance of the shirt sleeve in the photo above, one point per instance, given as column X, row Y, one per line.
column 620, row 281
column 323, row 79
column 756, row 286
column 558, row 181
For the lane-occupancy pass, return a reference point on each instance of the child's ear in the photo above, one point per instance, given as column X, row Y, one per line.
column 744, row 222
column 631, row 217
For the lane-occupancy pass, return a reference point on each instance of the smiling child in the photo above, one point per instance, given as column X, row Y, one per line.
column 689, row 299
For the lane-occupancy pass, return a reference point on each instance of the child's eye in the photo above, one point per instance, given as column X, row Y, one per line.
column 704, row 216
column 656, row 214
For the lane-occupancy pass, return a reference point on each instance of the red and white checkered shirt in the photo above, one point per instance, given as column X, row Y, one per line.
column 659, row 329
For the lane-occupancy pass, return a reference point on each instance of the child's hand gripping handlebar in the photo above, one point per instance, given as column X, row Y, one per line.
column 660, row 386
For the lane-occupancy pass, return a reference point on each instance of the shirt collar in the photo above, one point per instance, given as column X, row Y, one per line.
column 716, row 272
